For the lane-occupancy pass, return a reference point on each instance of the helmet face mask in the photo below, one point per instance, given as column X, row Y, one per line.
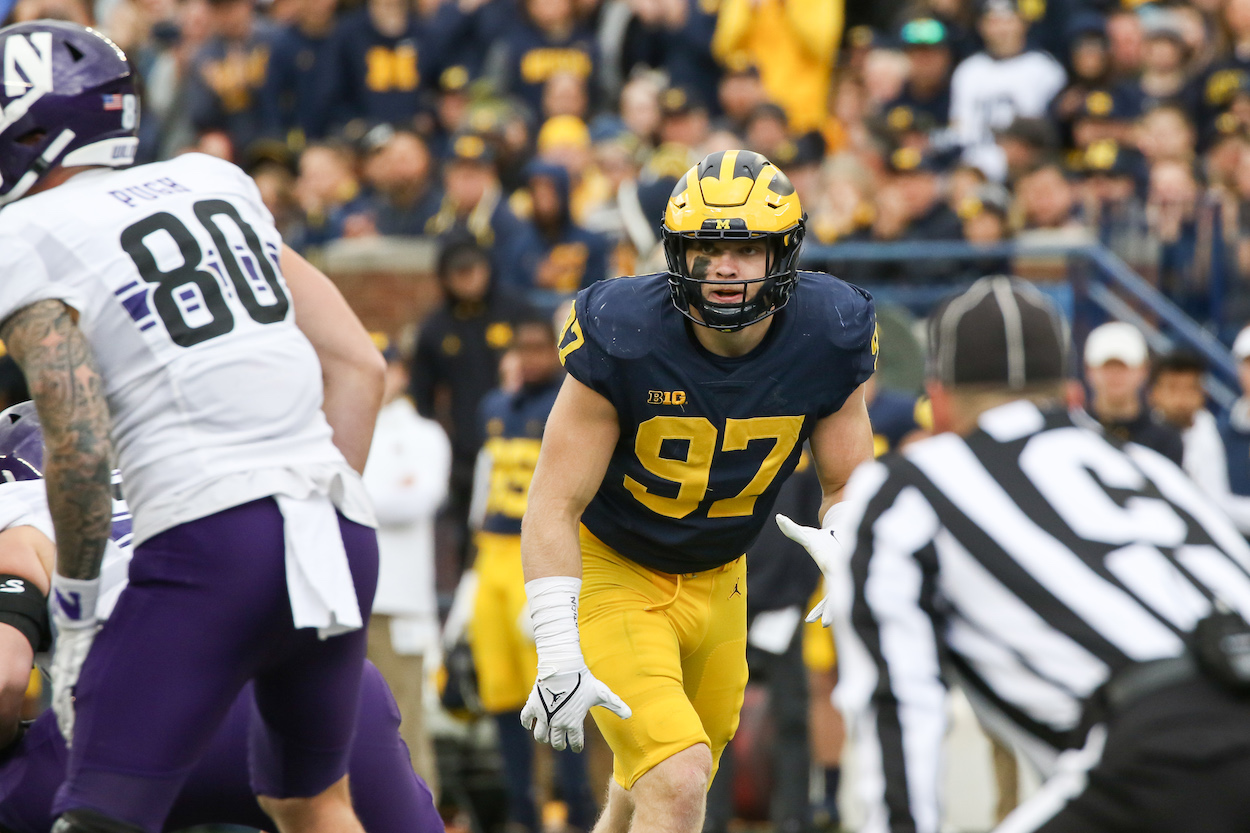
column 21, row 444
column 67, row 98
column 733, row 196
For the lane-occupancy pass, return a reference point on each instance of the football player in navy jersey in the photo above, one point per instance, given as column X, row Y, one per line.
column 689, row 396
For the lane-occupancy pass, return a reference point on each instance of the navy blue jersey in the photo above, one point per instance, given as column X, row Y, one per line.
column 707, row 441
column 513, row 425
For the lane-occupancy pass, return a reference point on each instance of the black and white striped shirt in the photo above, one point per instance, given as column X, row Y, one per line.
column 1025, row 562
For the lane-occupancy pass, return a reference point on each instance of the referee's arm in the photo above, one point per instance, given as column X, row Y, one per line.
column 889, row 682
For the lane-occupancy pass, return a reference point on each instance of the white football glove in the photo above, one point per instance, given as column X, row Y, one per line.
column 830, row 554
column 556, row 709
column 76, row 625
column 565, row 689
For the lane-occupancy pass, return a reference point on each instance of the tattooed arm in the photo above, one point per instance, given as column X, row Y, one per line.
column 69, row 395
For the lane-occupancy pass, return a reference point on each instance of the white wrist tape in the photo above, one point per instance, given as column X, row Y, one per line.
column 553, row 610
column 74, row 600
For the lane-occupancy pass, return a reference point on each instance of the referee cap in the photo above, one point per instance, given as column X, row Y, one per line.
column 1002, row 332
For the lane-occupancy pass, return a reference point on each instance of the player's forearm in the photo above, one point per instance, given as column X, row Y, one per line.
column 353, row 396
column 352, row 369
column 69, row 395
column 549, row 541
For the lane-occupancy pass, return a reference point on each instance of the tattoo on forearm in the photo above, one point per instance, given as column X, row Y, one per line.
column 69, row 394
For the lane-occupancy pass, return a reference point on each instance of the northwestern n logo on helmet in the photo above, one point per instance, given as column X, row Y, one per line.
column 27, row 64
column 27, row 73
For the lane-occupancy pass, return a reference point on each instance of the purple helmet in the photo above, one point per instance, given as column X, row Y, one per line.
column 67, row 97
column 21, row 443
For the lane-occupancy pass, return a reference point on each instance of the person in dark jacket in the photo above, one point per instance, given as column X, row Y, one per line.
column 385, row 56
column 554, row 252
column 298, row 74
column 473, row 202
column 546, row 38
column 229, row 74
column 457, row 358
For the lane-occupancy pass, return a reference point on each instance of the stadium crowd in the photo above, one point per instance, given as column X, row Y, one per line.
column 537, row 141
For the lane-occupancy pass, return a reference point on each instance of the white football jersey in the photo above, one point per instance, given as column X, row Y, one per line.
column 173, row 269
column 987, row 94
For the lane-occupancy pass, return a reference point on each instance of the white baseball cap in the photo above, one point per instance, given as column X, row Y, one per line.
column 1241, row 345
column 1117, row 340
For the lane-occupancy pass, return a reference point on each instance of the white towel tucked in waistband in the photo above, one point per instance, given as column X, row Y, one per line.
column 318, row 577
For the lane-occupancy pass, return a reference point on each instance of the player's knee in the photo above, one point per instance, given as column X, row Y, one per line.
column 678, row 785
column 89, row 821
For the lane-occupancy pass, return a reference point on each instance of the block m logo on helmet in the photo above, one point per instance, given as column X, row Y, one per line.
column 28, row 64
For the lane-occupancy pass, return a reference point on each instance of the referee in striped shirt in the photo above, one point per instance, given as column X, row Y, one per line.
column 1081, row 591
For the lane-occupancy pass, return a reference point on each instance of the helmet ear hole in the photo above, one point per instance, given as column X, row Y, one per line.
column 75, row 53
column 32, row 137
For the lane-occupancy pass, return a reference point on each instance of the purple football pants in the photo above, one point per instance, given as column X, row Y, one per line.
column 389, row 797
column 206, row 611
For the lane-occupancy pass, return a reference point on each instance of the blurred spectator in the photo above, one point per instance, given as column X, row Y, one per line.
column 382, row 55
column 546, row 38
column 499, row 632
column 962, row 183
column 795, row 45
column 457, row 359
column 640, row 108
column 566, row 94
column 676, row 36
column 925, row 101
column 1235, row 432
column 898, row 418
column 404, row 192
column 555, row 253
column 843, row 208
column 75, row 11
column 565, row 141
column 683, row 118
column 801, row 159
column 473, row 202
column 993, row 87
column 1089, row 66
column 620, row 213
column 739, row 93
column 1178, row 399
column 1047, row 199
column 166, row 63
column 918, row 179
column 451, row 110
column 228, row 77
column 886, row 69
column 1126, row 39
column 1109, row 176
column 1116, row 369
column 984, row 216
column 328, row 193
column 406, row 478
column 276, row 184
column 1102, row 116
column 299, row 73
column 1165, row 133
column 1165, row 65
column 1025, row 144
column 767, row 131
column 1172, row 223
column 1213, row 89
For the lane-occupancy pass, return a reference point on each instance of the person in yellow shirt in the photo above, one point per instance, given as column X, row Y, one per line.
column 795, row 45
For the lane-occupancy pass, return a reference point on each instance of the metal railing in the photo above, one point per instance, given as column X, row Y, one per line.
column 1099, row 286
